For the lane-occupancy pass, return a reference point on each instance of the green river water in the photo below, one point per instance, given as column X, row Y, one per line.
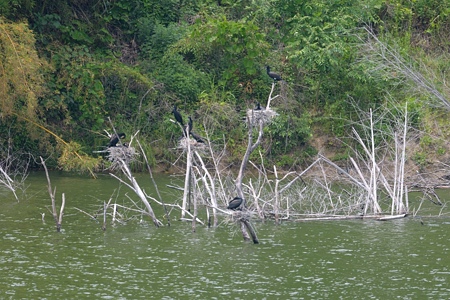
column 353, row 259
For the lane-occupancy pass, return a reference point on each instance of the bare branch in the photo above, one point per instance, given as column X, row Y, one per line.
column 390, row 61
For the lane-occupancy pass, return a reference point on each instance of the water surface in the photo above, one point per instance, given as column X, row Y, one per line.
column 354, row 259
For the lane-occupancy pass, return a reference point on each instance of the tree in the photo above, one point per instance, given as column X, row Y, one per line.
column 230, row 51
column 21, row 71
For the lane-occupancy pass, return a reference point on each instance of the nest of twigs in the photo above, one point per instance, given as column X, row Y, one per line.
column 194, row 145
column 121, row 153
column 254, row 117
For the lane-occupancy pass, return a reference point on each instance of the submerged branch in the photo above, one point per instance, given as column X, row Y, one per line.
column 134, row 186
column 58, row 220
column 7, row 182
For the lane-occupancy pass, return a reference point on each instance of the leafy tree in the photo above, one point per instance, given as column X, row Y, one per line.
column 229, row 51
column 21, row 71
column 81, row 62
column 16, row 9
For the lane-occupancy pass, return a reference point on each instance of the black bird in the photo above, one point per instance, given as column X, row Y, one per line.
column 189, row 131
column 177, row 115
column 114, row 139
column 235, row 203
column 258, row 106
column 274, row 76
column 197, row 137
column 190, row 125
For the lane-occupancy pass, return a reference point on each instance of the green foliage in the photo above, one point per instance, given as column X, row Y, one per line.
column 424, row 22
column 427, row 15
column 321, row 35
column 132, row 60
column 129, row 95
column 217, row 100
column 156, row 43
column 420, row 158
column 72, row 158
column 15, row 138
column 140, row 164
column 231, row 49
column 21, row 71
column 138, row 19
column 180, row 78
column 217, row 114
column 77, row 87
column 16, row 9
column 320, row 39
column 288, row 132
column 81, row 83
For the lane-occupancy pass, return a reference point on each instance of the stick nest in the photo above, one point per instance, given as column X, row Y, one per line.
column 264, row 115
column 121, row 153
column 194, row 145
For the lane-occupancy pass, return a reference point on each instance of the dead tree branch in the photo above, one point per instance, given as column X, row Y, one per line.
column 390, row 61
column 134, row 186
column 7, row 182
column 58, row 219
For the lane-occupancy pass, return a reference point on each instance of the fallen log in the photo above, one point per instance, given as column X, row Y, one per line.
column 387, row 218
column 330, row 218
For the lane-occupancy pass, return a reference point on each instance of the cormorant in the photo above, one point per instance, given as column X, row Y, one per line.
column 190, row 125
column 235, row 203
column 258, row 106
column 274, row 76
column 197, row 137
column 114, row 139
column 188, row 131
column 177, row 115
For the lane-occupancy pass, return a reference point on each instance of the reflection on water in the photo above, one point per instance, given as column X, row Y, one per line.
column 320, row 260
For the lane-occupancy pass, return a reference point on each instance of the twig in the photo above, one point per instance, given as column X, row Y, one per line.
column 91, row 216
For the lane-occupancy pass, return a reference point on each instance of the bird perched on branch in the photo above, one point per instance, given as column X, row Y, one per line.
column 179, row 119
column 190, row 125
column 235, row 203
column 177, row 115
column 197, row 138
column 114, row 139
column 274, row 76
column 189, row 131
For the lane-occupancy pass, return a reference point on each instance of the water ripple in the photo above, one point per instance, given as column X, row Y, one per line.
column 320, row 260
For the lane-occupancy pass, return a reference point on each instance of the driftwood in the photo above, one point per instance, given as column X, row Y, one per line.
column 56, row 217
column 7, row 182
column 248, row 232
column 329, row 218
column 13, row 169
column 88, row 214
column 154, row 183
column 178, row 207
column 392, row 217
column 370, row 173
column 208, row 182
column 258, row 119
column 194, row 148
column 134, row 186
column 337, row 218
column 187, row 178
